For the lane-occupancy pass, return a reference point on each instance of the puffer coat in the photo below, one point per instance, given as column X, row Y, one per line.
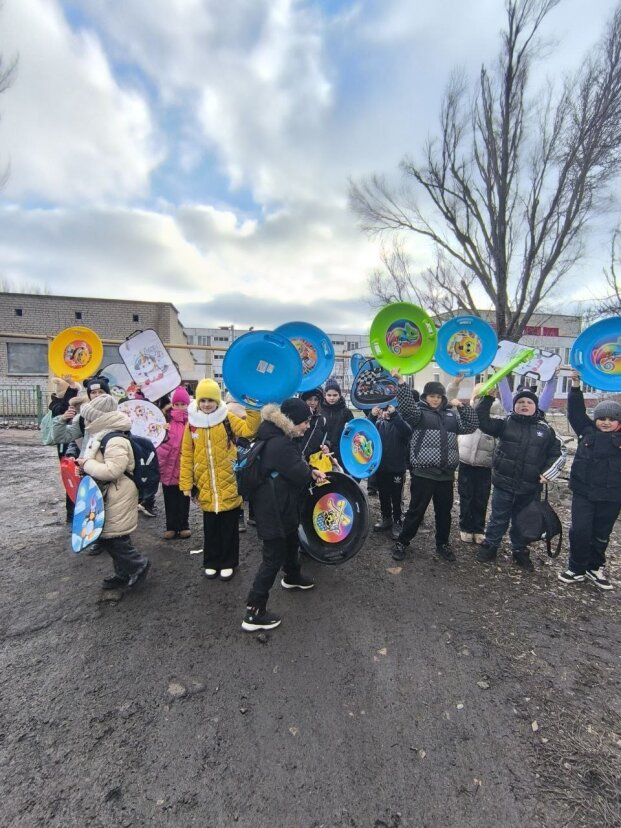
column 477, row 449
column 208, row 456
column 596, row 470
column 276, row 502
column 169, row 452
column 527, row 448
column 121, row 494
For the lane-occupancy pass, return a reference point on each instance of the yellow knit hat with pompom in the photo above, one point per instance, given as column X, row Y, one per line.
column 208, row 389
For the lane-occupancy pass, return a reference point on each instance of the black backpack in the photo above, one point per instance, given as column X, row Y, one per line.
column 248, row 469
column 146, row 474
column 539, row 521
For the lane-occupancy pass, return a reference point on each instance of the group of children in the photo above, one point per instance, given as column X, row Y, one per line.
column 428, row 435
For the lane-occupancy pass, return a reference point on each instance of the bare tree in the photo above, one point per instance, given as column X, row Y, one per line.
column 510, row 184
column 611, row 305
column 7, row 75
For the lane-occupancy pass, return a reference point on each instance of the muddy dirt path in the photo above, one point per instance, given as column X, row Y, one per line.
column 429, row 695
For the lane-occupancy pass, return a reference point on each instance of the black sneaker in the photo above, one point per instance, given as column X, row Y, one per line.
column 149, row 511
column 398, row 552
column 114, row 582
column 384, row 523
column 570, row 577
column 395, row 530
column 445, row 551
column 522, row 559
column 486, row 553
column 138, row 577
column 94, row 549
column 598, row 577
column 296, row 582
column 259, row 619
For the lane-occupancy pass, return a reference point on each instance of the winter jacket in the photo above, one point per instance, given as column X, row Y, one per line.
column 395, row 435
column 58, row 406
column 311, row 442
column 121, row 494
column 596, row 470
column 337, row 415
column 527, row 448
column 477, row 449
column 276, row 501
column 169, row 452
column 434, row 450
column 208, row 456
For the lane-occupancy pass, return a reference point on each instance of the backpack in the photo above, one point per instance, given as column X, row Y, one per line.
column 539, row 521
column 46, row 430
column 146, row 474
column 248, row 469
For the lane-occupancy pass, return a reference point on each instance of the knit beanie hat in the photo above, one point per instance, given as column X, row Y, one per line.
column 180, row 395
column 103, row 404
column 530, row 395
column 313, row 392
column 607, row 408
column 332, row 385
column 95, row 383
column 434, row 388
column 208, row 389
column 296, row 410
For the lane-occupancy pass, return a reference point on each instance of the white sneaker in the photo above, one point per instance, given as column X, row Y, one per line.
column 478, row 539
column 467, row 537
column 226, row 574
column 211, row 573
column 598, row 577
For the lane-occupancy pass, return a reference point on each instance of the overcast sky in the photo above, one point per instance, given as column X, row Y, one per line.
column 198, row 151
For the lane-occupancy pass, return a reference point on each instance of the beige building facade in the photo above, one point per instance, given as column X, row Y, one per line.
column 28, row 321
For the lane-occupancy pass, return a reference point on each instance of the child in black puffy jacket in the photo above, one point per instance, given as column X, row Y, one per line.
column 595, row 482
column 395, row 435
column 528, row 454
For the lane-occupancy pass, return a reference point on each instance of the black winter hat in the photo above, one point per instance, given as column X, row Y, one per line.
column 312, row 392
column 332, row 385
column 434, row 388
column 530, row 395
column 296, row 410
column 94, row 383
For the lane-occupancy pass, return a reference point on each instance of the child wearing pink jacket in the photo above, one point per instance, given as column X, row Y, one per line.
column 176, row 504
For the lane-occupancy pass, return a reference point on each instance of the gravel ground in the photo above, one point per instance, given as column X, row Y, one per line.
column 427, row 694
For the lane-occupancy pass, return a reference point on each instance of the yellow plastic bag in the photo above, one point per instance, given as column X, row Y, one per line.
column 320, row 461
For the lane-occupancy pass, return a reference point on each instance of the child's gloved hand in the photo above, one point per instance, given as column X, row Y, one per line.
column 396, row 373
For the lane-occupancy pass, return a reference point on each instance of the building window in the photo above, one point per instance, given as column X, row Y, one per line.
column 338, row 341
column 532, row 330
column 436, row 377
column 135, row 317
column 218, row 356
column 78, row 314
column 220, row 339
column 19, row 312
column 550, row 331
column 351, row 346
column 190, row 339
column 26, row 358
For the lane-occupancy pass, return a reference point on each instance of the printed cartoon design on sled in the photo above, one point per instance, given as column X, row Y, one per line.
column 403, row 337
column 333, row 518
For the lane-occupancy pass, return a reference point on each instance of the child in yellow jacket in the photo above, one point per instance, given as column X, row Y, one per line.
column 208, row 453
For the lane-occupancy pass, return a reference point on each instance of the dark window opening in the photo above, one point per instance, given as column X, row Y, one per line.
column 135, row 318
column 19, row 312
column 78, row 314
